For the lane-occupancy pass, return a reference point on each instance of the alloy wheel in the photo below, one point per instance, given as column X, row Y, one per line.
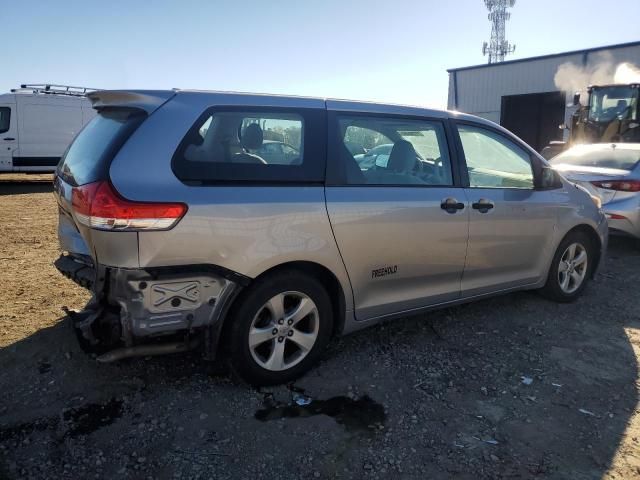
column 283, row 331
column 573, row 268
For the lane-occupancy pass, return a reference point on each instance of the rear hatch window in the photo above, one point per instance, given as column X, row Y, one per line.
column 88, row 158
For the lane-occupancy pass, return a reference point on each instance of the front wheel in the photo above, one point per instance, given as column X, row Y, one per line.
column 571, row 269
column 279, row 328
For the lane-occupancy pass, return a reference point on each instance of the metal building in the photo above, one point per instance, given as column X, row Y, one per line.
column 522, row 96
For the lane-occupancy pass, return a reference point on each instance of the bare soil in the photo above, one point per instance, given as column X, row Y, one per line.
column 512, row 387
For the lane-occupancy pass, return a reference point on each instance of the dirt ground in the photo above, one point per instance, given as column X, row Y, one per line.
column 512, row 387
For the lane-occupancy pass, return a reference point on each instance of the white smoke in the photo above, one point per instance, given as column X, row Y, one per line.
column 627, row 73
column 602, row 70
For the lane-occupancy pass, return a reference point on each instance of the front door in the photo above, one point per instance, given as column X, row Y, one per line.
column 511, row 226
column 400, row 225
column 8, row 135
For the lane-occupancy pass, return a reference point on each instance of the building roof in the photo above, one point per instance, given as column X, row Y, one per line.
column 543, row 57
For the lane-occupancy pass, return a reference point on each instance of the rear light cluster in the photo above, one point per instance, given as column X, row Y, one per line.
column 619, row 185
column 98, row 205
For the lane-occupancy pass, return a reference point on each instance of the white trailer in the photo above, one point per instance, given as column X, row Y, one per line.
column 37, row 124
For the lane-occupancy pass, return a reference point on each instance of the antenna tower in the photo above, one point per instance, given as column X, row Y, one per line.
column 498, row 47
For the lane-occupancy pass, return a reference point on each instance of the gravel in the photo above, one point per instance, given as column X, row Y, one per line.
column 436, row 396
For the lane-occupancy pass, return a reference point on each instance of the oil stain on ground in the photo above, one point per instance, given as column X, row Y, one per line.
column 89, row 418
column 362, row 414
column 16, row 431
column 44, row 367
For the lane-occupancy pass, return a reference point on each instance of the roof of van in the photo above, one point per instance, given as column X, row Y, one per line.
column 150, row 100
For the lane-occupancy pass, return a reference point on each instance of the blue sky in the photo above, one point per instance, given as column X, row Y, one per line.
column 392, row 51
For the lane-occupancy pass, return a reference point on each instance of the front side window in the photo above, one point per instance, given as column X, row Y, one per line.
column 245, row 145
column 493, row 161
column 392, row 152
column 5, row 119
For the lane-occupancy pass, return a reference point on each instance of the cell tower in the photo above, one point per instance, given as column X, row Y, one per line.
column 498, row 47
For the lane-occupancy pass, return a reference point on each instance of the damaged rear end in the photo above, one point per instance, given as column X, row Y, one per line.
column 133, row 310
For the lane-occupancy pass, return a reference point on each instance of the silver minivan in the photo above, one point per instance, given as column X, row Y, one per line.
column 189, row 238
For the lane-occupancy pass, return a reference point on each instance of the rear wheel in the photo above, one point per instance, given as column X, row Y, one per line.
column 571, row 269
column 279, row 328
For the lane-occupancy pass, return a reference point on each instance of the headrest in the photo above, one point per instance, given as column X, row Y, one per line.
column 402, row 157
column 252, row 137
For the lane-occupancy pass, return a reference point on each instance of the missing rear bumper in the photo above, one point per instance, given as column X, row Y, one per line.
column 153, row 305
column 155, row 311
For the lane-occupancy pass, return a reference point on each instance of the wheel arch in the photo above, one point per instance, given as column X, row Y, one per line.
column 593, row 236
column 315, row 270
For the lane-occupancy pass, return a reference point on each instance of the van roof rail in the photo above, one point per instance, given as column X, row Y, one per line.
column 51, row 89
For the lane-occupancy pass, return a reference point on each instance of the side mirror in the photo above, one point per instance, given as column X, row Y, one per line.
column 576, row 99
column 548, row 179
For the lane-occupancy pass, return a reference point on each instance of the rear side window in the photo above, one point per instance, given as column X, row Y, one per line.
column 262, row 145
column 5, row 119
column 395, row 151
column 89, row 156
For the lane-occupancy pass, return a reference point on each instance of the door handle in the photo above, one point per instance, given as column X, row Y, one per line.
column 9, row 139
column 451, row 205
column 482, row 205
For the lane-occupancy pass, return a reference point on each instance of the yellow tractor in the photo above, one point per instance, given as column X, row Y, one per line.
column 612, row 115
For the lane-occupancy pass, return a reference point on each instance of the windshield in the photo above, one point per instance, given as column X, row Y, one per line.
column 607, row 156
column 610, row 103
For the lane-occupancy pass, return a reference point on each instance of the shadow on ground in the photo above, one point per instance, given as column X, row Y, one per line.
column 514, row 386
column 12, row 187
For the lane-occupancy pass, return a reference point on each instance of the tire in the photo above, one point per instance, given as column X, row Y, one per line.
column 555, row 289
column 276, row 356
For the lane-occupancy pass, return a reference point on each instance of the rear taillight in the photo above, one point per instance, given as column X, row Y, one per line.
column 98, row 205
column 620, row 185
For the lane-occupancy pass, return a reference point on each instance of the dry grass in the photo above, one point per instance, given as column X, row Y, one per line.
column 32, row 289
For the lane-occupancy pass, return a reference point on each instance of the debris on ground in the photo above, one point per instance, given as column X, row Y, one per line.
column 300, row 399
column 527, row 380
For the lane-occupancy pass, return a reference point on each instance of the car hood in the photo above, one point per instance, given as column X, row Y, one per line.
column 584, row 170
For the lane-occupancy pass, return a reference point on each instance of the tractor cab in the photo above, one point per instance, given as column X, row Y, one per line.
column 611, row 115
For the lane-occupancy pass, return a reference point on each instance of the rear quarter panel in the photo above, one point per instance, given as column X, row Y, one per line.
column 245, row 228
